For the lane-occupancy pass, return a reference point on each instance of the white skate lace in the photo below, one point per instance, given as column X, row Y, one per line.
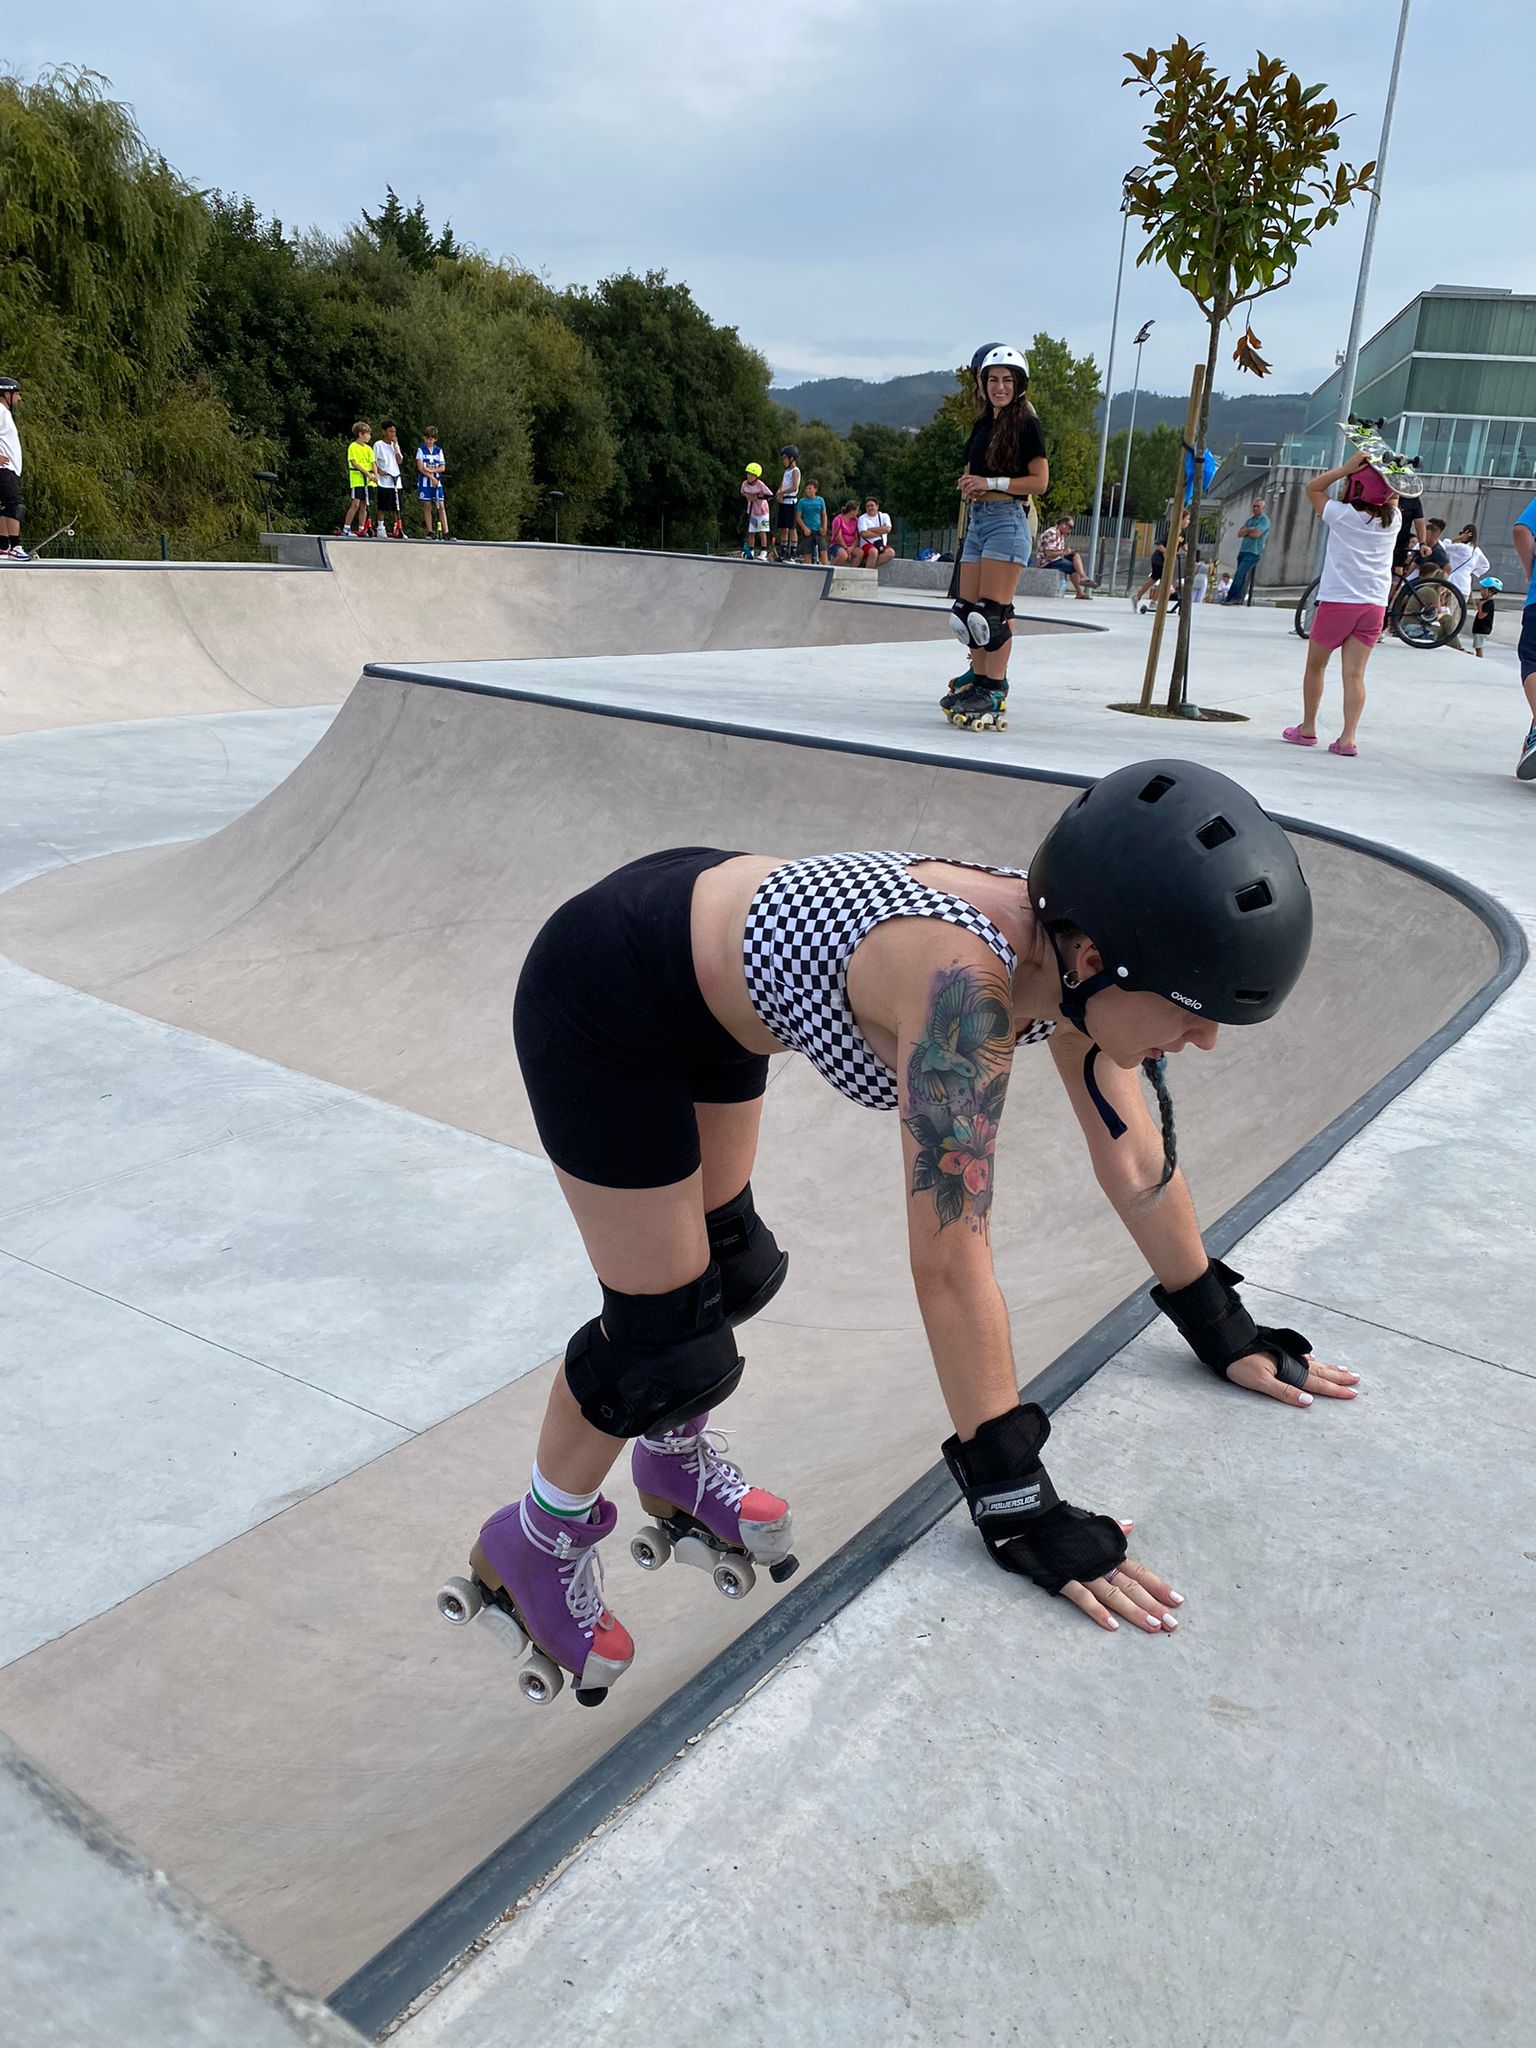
column 581, row 1573
column 704, row 1461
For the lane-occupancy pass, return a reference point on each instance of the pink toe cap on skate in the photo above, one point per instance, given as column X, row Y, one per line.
column 760, row 1507
column 612, row 1641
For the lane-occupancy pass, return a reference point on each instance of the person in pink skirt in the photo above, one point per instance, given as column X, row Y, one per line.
column 1352, row 595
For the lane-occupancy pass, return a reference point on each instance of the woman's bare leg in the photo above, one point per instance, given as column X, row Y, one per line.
column 644, row 1241
column 998, row 581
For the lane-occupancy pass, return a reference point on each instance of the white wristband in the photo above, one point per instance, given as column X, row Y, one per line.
column 998, row 483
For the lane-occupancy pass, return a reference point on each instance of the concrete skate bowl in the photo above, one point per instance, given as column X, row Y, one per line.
column 366, row 924
column 88, row 643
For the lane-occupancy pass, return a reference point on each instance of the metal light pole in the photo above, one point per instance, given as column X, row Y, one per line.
column 1109, row 392
column 1356, row 318
column 1130, row 435
column 557, row 499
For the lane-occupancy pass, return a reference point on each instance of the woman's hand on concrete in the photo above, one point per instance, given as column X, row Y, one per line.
column 1131, row 1592
column 1257, row 1371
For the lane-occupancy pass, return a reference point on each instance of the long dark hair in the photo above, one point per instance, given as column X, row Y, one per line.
column 1007, row 426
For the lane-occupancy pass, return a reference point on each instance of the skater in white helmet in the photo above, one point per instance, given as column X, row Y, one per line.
column 1005, row 464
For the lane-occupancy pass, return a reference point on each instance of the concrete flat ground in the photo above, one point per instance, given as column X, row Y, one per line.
column 914, row 1820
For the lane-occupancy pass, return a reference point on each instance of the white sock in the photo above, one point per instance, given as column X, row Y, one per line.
column 556, row 1501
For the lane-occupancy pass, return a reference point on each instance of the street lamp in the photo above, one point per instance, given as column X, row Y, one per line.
column 1109, row 390
column 1130, row 435
column 556, row 498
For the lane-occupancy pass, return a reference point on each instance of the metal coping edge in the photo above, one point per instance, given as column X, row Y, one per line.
column 408, row 1965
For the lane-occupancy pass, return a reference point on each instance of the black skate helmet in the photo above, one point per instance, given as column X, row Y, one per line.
column 1187, row 887
column 9, row 386
column 789, row 451
column 982, row 353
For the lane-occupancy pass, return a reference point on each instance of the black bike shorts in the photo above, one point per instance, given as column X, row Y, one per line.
column 614, row 1038
column 12, row 504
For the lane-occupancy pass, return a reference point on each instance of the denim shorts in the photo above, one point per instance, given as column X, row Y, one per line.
column 997, row 533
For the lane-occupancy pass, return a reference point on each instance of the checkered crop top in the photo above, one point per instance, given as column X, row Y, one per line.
column 802, row 927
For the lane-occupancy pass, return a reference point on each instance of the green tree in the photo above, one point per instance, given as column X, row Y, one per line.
column 688, row 402
column 873, row 450
column 923, row 477
column 1064, row 390
column 1154, row 465
column 409, row 234
column 1238, row 180
column 99, row 249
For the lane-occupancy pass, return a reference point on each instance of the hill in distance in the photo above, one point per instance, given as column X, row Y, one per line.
column 912, row 401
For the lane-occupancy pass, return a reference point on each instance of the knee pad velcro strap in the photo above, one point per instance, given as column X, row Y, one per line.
column 752, row 1268
column 1209, row 1315
column 1025, row 1525
column 653, row 1359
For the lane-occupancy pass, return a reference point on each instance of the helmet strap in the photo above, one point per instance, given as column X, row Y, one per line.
column 1075, row 995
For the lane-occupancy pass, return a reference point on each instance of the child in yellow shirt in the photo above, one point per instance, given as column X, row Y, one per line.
column 360, row 476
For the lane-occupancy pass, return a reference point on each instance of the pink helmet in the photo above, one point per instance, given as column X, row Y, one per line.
column 1368, row 488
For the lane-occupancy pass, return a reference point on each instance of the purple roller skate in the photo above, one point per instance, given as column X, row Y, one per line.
column 705, row 1514
column 537, row 1577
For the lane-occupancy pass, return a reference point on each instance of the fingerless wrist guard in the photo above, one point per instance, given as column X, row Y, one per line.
column 1209, row 1315
column 1025, row 1525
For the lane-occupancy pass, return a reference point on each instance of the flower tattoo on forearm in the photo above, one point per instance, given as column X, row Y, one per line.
column 957, row 1079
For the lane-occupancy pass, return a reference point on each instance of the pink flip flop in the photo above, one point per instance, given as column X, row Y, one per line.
column 1298, row 738
column 1338, row 747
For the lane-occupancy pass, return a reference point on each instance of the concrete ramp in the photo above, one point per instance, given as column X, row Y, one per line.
column 87, row 643
column 340, row 1758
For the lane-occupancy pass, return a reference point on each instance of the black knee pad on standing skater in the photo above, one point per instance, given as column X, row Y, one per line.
column 1025, row 1525
column 653, row 1359
column 752, row 1268
column 1209, row 1315
column 996, row 616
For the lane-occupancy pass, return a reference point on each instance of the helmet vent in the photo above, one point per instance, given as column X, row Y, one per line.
column 1257, row 896
column 1217, row 833
column 1159, row 786
column 1250, row 995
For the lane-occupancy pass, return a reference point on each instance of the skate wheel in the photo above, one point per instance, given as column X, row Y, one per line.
column 651, row 1549
column 540, row 1680
column 734, row 1577
column 784, row 1569
column 459, row 1601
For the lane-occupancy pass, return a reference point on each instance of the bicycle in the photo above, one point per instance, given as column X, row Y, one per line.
column 1428, row 612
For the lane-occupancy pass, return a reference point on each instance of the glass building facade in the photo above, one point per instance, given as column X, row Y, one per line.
column 1453, row 376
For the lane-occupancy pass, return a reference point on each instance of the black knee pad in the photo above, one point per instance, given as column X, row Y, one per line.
column 996, row 616
column 752, row 1268
column 653, row 1359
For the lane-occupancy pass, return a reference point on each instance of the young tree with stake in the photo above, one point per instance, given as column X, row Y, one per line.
column 1238, row 180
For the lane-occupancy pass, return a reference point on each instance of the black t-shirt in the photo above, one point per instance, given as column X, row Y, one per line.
column 1031, row 445
column 1483, row 623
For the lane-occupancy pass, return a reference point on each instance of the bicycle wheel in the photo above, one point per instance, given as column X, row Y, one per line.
column 1427, row 613
column 1306, row 607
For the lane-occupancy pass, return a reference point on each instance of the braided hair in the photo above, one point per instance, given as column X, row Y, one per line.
column 1156, row 1072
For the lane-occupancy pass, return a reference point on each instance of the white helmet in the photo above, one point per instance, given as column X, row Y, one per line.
column 1004, row 358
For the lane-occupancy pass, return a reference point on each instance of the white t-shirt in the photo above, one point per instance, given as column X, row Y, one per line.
column 386, row 465
column 10, row 440
column 1358, row 566
column 873, row 526
column 1464, row 560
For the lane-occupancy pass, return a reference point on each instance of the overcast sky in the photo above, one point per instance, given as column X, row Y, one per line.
column 861, row 189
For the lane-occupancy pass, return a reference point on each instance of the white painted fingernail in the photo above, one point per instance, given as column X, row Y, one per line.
column 1152, row 1622
column 1303, row 1400
column 1175, row 1599
column 1169, row 1622
column 1112, row 1623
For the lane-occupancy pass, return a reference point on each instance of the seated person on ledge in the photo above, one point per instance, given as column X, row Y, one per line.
column 1055, row 551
